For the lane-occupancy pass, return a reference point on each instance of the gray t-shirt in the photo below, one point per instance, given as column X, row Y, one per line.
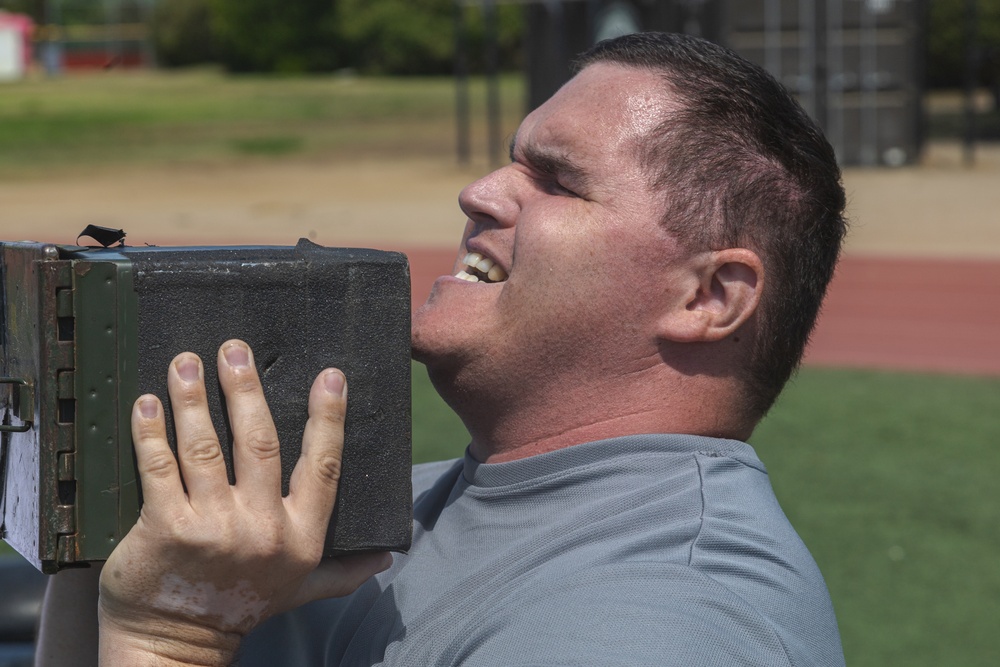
column 640, row 550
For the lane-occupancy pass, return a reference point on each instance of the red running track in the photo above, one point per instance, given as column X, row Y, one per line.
column 903, row 314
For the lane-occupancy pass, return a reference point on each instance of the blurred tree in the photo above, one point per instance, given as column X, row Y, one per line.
column 947, row 42
column 373, row 36
column 182, row 33
column 398, row 36
column 33, row 8
column 79, row 12
column 82, row 12
column 418, row 36
column 510, row 30
column 276, row 35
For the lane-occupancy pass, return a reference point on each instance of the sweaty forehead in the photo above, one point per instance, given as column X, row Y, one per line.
column 605, row 108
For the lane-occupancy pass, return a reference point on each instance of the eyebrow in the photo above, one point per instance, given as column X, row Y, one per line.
column 549, row 163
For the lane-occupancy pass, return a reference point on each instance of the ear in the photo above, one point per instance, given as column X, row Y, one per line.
column 723, row 292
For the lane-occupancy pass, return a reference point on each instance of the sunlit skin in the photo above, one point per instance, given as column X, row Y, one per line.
column 603, row 326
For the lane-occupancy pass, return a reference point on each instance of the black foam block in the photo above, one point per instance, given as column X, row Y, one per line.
column 301, row 310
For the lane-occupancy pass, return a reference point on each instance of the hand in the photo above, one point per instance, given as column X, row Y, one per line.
column 203, row 567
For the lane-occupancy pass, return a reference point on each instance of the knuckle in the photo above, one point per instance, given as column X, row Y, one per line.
column 209, row 542
column 261, row 440
column 203, row 450
column 327, row 468
column 159, row 464
column 271, row 542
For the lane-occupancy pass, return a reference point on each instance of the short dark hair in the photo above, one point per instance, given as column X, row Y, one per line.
column 742, row 165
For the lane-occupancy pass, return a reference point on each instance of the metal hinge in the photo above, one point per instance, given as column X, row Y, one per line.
column 23, row 404
column 59, row 369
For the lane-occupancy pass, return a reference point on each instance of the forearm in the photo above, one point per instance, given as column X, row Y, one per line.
column 174, row 645
column 73, row 632
column 67, row 631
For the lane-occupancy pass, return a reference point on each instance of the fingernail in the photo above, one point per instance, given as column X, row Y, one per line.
column 187, row 369
column 335, row 382
column 237, row 356
column 148, row 407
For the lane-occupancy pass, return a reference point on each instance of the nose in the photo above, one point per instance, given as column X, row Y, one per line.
column 491, row 200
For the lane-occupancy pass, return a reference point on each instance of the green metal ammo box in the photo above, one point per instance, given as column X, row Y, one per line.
column 85, row 331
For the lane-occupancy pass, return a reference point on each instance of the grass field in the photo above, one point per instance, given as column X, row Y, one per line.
column 114, row 118
column 891, row 480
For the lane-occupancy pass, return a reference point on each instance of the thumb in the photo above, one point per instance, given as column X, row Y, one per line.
column 341, row 576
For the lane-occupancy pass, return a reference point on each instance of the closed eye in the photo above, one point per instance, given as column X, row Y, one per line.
column 551, row 169
column 554, row 187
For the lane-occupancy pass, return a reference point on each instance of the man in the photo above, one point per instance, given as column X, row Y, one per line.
column 633, row 290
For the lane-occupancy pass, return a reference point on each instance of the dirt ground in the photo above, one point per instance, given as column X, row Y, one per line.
column 918, row 289
column 939, row 209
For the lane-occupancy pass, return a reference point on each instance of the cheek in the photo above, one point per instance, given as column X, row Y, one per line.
column 574, row 278
column 574, row 260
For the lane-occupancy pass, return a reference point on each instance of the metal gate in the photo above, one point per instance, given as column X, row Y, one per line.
column 855, row 65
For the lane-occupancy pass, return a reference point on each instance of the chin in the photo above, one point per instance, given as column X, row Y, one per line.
column 439, row 345
column 428, row 336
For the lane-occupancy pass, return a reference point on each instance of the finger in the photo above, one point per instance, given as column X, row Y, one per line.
column 158, row 472
column 256, row 454
column 336, row 577
column 202, row 466
column 313, row 487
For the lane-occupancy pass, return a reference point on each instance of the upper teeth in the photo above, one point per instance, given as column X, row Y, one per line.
column 481, row 269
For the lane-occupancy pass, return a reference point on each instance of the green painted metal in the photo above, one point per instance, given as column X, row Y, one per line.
column 104, row 307
column 128, row 391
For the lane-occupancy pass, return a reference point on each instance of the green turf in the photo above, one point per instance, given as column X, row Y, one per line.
column 113, row 118
column 437, row 433
column 890, row 479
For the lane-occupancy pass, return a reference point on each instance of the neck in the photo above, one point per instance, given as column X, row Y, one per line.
column 510, row 427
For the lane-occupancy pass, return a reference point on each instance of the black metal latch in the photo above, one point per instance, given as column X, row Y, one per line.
column 23, row 405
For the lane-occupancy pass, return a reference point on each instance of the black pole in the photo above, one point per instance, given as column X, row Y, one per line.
column 971, row 62
column 461, row 86
column 820, row 84
column 492, row 82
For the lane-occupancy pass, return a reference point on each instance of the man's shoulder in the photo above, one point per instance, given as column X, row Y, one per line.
column 655, row 609
column 640, row 613
column 425, row 475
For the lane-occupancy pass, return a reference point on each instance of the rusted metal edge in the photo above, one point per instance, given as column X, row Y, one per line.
column 56, row 421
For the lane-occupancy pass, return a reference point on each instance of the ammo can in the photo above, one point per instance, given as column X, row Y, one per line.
column 85, row 331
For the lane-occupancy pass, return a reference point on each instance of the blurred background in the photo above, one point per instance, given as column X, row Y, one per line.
column 357, row 122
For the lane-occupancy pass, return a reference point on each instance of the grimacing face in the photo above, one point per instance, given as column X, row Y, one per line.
column 570, row 263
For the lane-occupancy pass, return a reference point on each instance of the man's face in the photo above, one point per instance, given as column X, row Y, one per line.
column 580, row 262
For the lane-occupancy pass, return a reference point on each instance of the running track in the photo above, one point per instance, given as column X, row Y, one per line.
column 890, row 313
